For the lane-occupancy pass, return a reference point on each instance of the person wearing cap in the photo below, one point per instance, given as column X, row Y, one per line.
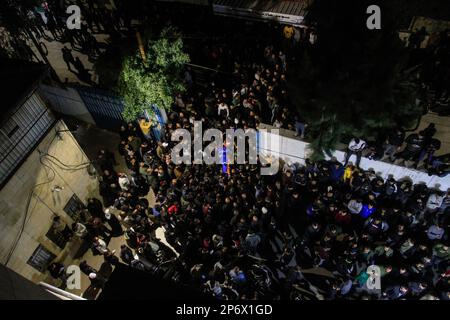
column 97, row 280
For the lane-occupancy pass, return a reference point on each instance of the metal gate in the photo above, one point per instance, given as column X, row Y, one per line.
column 105, row 107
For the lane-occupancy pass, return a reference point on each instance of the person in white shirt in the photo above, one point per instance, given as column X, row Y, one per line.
column 79, row 230
column 434, row 202
column 356, row 147
column 100, row 245
column 277, row 124
column 432, row 206
column 222, row 110
column 124, row 182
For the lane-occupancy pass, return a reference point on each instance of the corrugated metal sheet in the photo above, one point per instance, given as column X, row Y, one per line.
column 21, row 132
column 288, row 12
column 296, row 7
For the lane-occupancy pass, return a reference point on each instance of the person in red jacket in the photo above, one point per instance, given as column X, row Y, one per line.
column 343, row 218
column 173, row 209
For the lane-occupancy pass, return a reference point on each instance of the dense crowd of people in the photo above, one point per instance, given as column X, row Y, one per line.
column 259, row 69
column 309, row 232
column 248, row 236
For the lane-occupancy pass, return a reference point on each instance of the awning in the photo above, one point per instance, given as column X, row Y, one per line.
column 285, row 12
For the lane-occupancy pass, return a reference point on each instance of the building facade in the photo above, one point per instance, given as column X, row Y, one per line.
column 44, row 174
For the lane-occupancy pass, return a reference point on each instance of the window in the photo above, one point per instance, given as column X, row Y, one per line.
column 20, row 133
column 41, row 258
column 74, row 208
column 10, row 128
column 5, row 143
column 57, row 237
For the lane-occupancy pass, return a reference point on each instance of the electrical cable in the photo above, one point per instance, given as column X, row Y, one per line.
column 65, row 182
column 69, row 167
column 30, row 196
column 58, row 164
column 25, row 218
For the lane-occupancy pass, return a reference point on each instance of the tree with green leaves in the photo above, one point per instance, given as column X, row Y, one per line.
column 155, row 79
column 354, row 81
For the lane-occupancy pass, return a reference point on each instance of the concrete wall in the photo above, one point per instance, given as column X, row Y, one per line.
column 66, row 101
column 293, row 150
column 14, row 196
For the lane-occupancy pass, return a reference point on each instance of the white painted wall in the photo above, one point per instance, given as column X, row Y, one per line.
column 295, row 151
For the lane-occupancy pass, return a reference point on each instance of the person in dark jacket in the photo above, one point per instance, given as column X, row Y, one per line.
column 86, row 268
column 126, row 254
column 337, row 171
column 57, row 270
column 393, row 143
column 417, row 289
column 414, row 145
column 427, row 153
column 395, row 292
column 110, row 258
column 114, row 223
column 97, row 280
column 95, row 208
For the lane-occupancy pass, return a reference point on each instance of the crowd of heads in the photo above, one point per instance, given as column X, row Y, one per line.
column 240, row 235
column 309, row 232
column 243, row 235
